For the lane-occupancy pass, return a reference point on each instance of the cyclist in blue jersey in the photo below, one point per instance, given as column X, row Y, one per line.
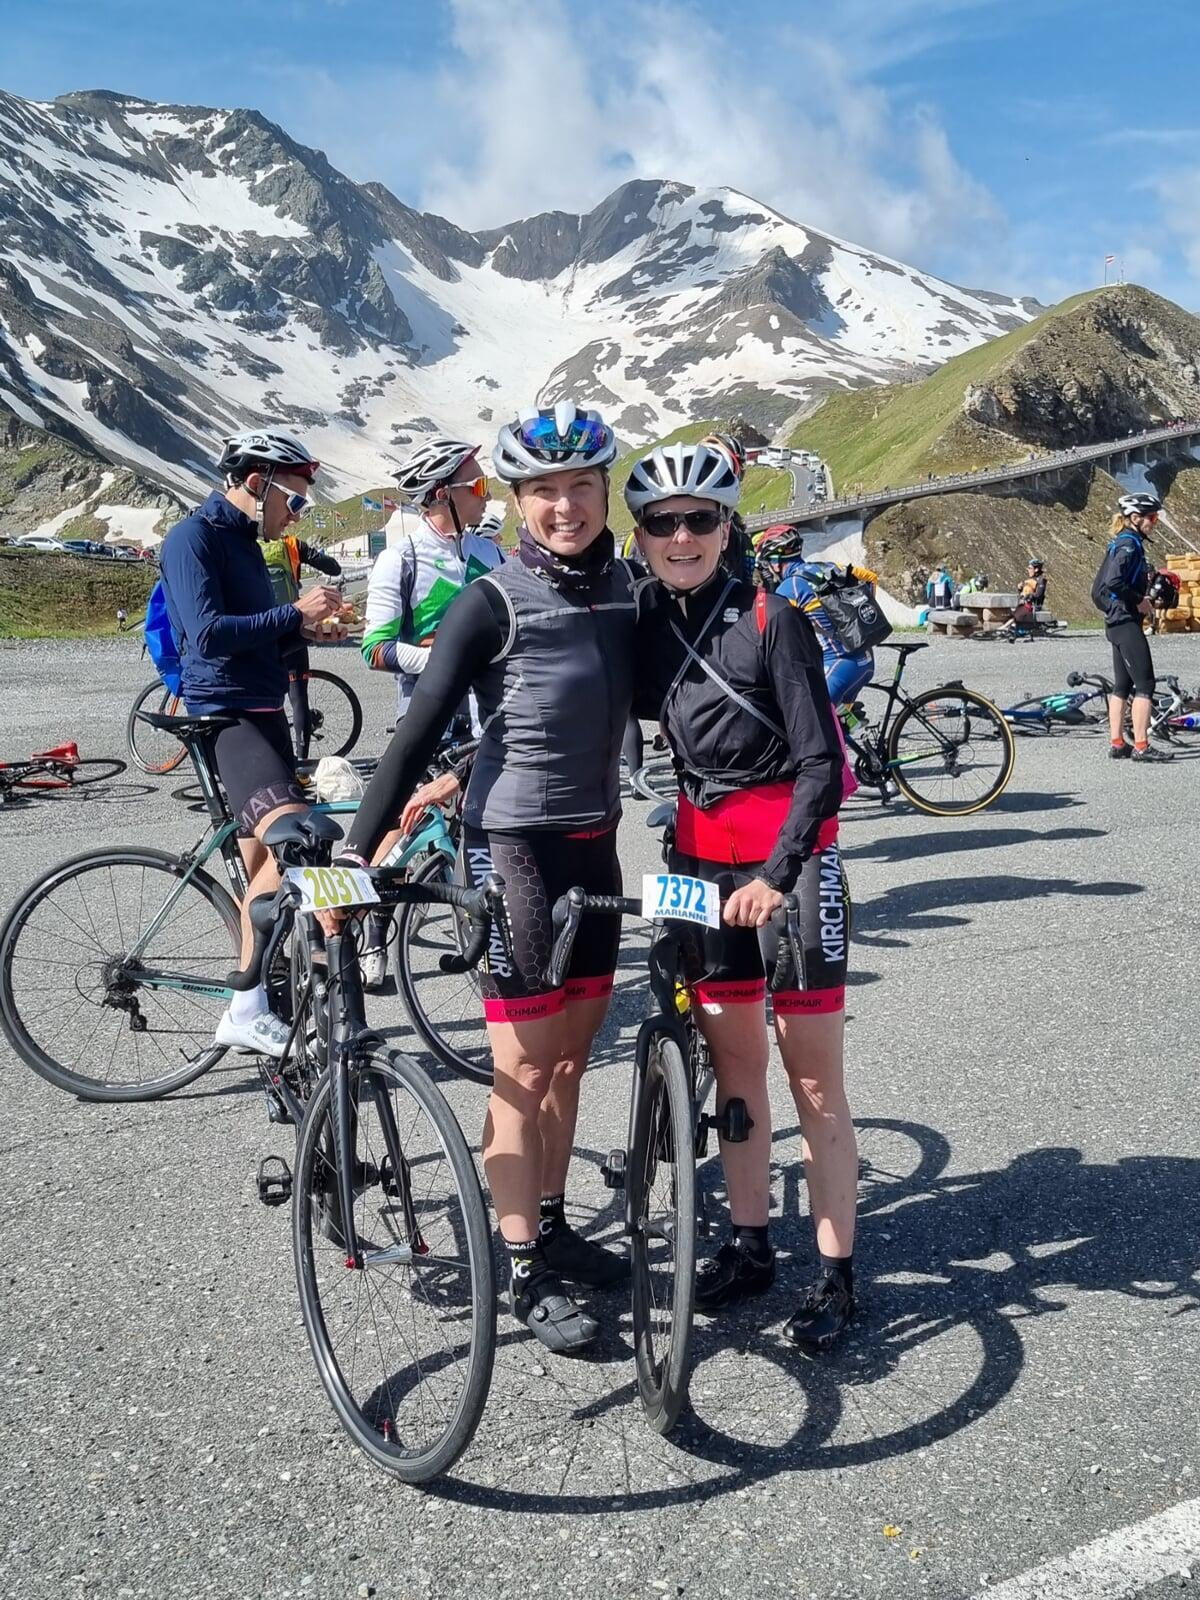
column 782, row 567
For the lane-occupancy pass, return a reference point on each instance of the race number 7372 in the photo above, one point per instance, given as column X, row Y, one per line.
column 680, row 898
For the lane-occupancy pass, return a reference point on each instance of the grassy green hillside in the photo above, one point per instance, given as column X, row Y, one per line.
column 897, row 433
column 47, row 596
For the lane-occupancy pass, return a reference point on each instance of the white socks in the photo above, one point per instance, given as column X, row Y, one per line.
column 247, row 1004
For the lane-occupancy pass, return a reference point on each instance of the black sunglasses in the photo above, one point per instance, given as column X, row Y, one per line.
column 662, row 524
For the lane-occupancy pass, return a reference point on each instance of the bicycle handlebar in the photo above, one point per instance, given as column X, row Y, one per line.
column 271, row 916
column 568, row 912
column 457, row 757
column 1094, row 680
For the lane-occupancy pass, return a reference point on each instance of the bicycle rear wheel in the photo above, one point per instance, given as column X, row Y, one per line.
column 656, row 780
column 90, row 1018
column 446, row 1009
column 334, row 715
column 404, row 1345
column 153, row 750
column 72, row 774
column 951, row 752
column 661, row 1184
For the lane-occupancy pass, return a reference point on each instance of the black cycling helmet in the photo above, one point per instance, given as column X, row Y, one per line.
column 1036, row 561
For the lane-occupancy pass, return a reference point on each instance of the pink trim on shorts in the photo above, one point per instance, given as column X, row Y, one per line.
column 735, row 992
column 589, row 988
column 809, row 1002
column 592, row 833
column 527, row 1008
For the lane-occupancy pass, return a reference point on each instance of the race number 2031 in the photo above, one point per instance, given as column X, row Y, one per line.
column 679, row 898
column 331, row 888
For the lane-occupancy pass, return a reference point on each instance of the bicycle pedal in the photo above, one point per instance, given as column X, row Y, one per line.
column 274, row 1181
column 613, row 1170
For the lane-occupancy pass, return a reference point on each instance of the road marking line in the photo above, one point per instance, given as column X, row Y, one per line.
column 1115, row 1566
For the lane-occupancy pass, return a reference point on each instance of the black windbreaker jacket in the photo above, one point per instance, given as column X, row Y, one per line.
column 719, row 747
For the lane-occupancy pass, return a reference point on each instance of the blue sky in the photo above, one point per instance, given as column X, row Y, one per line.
column 1007, row 144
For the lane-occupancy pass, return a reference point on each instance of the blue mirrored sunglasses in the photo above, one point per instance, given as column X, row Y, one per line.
column 299, row 505
column 541, row 433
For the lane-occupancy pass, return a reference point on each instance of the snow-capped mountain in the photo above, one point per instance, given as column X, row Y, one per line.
column 171, row 273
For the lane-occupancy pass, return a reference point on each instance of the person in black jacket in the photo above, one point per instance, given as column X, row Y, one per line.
column 735, row 677
column 1120, row 593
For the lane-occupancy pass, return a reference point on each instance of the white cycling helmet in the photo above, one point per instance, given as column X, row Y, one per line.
column 1139, row 505
column 265, row 447
column 431, row 465
column 489, row 527
column 673, row 469
column 561, row 438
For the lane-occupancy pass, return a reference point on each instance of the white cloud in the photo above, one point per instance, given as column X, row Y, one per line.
column 1179, row 196
column 566, row 115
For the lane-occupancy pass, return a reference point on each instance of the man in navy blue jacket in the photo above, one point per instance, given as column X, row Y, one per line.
column 231, row 635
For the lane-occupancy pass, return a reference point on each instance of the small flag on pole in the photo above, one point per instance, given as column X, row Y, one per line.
column 1108, row 260
column 371, row 505
column 390, row 505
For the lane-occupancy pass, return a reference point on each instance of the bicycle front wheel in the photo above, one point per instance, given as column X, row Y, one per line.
column 71, row 774
column 446, row 1009
column 334, row 715
column 404, row 1344
column 951, row 752
column 85, row 1011
column 153, row 750
column 661, row 1184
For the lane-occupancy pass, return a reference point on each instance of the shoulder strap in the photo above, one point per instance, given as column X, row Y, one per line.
column 760, row 610
column 711, row 672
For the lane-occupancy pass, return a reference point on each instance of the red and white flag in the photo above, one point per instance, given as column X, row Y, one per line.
column 1108, row 260
column 390, row 505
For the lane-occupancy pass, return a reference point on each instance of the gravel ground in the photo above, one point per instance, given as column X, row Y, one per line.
column 1024, row 1375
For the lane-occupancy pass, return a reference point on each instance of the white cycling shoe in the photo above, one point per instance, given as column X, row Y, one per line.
column 373, row 966
column 263, row 1035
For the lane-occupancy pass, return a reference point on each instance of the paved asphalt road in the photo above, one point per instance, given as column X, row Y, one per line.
column 1022, row 1065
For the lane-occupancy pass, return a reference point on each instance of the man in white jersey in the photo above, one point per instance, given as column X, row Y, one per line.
column 414, row 581
column 411, row 585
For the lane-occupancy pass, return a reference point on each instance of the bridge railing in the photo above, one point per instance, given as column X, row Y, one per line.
column 1043, row 464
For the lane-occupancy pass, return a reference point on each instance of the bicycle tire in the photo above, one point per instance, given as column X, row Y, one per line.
column 168, row 705
column 662, row 1125
column 477, row 1066
column 313, row 1247
column 17, row 1028
column 656, row 781
column 346, row 739
column 987, row 712
column 74, row 775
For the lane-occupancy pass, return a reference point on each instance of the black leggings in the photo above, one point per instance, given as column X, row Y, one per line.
column 1133, row 667
column 631, row 746
column 297, row 662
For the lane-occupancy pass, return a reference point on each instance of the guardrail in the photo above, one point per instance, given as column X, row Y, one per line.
column 960, row 482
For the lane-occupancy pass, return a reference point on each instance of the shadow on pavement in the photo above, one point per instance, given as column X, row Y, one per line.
column 917, row 907
column 911, row 846
column 950, row 1266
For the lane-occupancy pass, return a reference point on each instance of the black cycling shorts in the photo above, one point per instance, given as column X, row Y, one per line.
column 1133, row 668
column 538, row 867
column 737, row 960
column 257, row 767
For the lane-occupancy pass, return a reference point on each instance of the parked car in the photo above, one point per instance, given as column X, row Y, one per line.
column 122, row 552
column 41, row 541
column 78, row 547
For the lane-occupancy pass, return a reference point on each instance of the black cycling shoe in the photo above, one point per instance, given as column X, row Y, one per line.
column 823, row 1315
column 579, row 1260
column 1120, row 752
column 731, row 1276
column 1150, row 753
column 547, row 1310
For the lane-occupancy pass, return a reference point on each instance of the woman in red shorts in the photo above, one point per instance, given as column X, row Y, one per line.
column 735, row 677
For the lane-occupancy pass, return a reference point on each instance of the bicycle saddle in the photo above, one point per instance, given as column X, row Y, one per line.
column 301, row 828
column 185, row 728
column 904, row 649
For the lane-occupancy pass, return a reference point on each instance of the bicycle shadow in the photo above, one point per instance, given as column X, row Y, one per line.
column 920, row 907
column 912, row 846
column 949, row 1265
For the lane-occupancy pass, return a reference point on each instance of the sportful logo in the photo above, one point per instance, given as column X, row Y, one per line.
column 833, row 906
column 479, row 863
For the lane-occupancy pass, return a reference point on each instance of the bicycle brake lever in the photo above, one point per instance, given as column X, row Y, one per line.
column 566, row 915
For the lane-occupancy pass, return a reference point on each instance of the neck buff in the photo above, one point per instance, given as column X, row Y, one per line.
column 567, row 572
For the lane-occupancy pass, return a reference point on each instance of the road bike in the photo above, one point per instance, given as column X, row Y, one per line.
column 668, row 1132
column 390, row 1233
column 334, row 714
column 50, row 771
column 949, row 751
column 1039, row 714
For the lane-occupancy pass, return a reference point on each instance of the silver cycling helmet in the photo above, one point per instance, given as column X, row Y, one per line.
column 673, row 469
column 431, row 465
column 265, row 447
column 559, row 438
column 1139, row 505
column 489, row 527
